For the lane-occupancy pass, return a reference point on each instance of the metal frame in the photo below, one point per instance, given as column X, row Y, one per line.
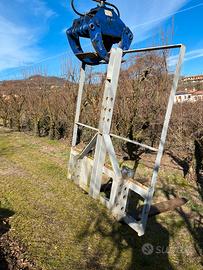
column 87, row 173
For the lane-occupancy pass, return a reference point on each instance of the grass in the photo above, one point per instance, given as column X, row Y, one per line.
column 63, row 228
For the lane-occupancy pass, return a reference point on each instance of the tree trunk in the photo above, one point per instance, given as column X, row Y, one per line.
column 198, row 160
column 5, row 122
column 191, row 175
column 136, row 164
column 10, row 123
column 52, row 130
column 37, row 128
column 18, row 125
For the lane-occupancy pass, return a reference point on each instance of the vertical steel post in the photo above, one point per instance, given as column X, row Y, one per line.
column 78, row 106
column 149, row 198
column 105, row 120
column 71, row 162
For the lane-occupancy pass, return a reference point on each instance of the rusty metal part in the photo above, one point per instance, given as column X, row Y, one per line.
column 162, row 207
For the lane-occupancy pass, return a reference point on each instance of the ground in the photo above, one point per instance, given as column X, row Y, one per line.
column 54, row 225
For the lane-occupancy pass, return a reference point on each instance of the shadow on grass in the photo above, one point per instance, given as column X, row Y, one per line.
column 6, row 213
column 4, row 228
column 122, row 248
column 199, row 165
column 193, row 222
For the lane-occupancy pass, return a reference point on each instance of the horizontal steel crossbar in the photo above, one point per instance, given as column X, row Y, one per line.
column 121, row 138
column 166, row 47
column 134, row 142
column 86, row 126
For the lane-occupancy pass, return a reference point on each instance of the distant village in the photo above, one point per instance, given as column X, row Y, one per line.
column 191, row 89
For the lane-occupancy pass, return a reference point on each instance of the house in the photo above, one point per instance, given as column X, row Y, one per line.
column 196, row 78
column 189, row 96
column 182, row 97
column 197, row 96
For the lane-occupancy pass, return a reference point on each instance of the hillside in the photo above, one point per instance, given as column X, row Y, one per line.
column 8, row 87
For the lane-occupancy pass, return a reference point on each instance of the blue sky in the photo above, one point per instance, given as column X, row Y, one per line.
column 33, row 31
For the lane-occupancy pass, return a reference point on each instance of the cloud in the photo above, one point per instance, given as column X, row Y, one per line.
column 147, row 15
column 190, row 55
column 16, row 45
column 40, row 8
column 194, row 54
column 20, row 30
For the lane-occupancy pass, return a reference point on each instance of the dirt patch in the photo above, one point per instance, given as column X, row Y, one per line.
column 12, row 255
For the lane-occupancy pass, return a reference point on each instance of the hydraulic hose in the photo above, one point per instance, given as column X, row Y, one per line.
column 75, row 10
column 99, row 1
column 111, row 5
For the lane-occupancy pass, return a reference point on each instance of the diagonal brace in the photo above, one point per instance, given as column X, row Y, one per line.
column 88, row 148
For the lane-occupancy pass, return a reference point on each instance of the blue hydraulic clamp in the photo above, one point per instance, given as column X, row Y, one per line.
column 104, row 27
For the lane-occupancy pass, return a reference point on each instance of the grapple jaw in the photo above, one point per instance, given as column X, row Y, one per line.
column 103, row 26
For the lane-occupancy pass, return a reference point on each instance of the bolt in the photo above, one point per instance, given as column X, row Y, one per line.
column 91, row 25
column 130, row 36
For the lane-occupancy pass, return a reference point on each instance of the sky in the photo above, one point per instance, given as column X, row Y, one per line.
column 32, row 32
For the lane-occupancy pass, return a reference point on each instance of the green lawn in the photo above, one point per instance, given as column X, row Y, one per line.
column 63, row 228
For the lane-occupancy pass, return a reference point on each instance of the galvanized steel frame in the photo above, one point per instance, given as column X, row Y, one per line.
column 87, row 173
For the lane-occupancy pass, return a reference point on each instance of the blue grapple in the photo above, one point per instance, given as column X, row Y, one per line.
column 103, row 26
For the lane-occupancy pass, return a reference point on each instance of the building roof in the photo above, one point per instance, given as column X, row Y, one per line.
column 190, row 92
column 182, row 93
column 199, row 92
column 193, row 78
